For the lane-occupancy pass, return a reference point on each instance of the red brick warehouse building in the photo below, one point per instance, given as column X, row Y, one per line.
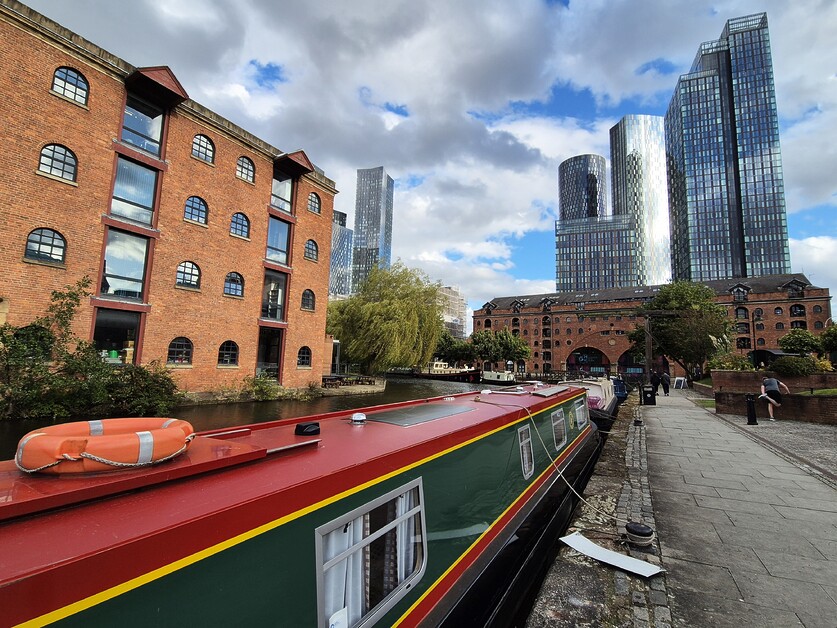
column 208, row 248
column 588, row 331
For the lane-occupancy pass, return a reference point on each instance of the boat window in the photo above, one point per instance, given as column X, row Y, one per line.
column 369, row 558
column 527, row 454
column 559, row 429
column 581, row 416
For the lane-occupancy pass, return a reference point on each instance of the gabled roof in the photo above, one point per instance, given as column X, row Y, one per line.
column 158, row 84
column 295, row 164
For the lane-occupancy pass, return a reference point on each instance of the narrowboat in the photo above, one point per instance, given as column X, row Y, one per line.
column 498, row 378
column 444, row 511
column 442, row 371
column 602, row 401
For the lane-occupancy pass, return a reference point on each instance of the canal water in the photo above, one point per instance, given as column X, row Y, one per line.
column 207, row 417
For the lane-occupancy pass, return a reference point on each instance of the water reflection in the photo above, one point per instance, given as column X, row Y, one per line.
column 209, row 417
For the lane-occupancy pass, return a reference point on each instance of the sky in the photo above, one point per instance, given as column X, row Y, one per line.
column 471, row 105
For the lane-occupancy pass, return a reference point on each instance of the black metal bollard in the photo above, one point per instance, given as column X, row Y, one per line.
column 751, row 409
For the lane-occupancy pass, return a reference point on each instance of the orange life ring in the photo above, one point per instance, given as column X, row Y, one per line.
column 105, row 445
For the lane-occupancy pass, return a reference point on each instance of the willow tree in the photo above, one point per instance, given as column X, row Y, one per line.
column 394, row 319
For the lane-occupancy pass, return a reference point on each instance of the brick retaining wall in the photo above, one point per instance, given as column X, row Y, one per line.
column 807, row 408
column 750, row 381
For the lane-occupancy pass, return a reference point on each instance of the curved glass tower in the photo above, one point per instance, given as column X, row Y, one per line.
column 582, row 187
column 726, row 189
column 638, row 174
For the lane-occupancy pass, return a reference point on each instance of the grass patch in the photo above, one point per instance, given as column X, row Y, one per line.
column 709, row 404
column 821, row 391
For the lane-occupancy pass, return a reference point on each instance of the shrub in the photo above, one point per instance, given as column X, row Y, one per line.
column 791, row 366
column 263, row 387
column 823, row 364
column 730, row 362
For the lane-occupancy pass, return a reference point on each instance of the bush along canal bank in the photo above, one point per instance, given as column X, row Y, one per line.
column 580, row 591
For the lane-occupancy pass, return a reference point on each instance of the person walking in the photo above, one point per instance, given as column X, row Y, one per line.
column 655, row 382
column 770, row 392
column 665, row 380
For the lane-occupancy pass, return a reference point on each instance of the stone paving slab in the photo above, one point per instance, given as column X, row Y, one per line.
column 746, row 530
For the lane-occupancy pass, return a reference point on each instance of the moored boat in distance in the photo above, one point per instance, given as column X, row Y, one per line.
column 433, row 512
column 498, row 378
column 602, row 401
column 439, row 370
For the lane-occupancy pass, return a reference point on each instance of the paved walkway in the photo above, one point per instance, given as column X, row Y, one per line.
column 748, row 534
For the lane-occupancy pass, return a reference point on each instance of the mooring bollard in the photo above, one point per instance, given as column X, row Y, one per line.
column 751, row 409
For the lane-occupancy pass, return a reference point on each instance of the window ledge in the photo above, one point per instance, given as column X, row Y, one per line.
column 196, row 223
column 171, row 365
column 186, row 288
column 235, row 235
column 72, row 101
column 53, row 177
column 242, row 179
column 203, row 161
column 232, row 296
column 229, row 367
column 43, row 262
column 303, row 368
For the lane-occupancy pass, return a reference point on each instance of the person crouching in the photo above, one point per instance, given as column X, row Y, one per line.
column 770, row 392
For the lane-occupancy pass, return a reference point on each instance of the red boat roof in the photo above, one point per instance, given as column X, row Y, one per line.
column 232, row 469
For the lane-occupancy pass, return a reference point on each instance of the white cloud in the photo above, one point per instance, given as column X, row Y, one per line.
column 473, row 76
column 815, row 257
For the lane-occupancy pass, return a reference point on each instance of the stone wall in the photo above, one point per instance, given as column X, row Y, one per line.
column 807, row 408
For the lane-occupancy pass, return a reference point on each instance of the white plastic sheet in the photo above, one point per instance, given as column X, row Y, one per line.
column 580, row 543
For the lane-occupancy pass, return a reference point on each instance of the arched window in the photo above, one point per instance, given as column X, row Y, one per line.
column 196, row 210
column 180, row 351
column 778, row 311
column 818, row 325
column 780, row 325
column 760, row 342
column 188, row 275
column 303, row 357
column 488, row 323
column 240, row 225
column 245, row 169
column 308, row 300
column 228, row 353
column 71, row 84
column 203, row 149
column 46, row 245
column 546, row 320
column 799, row 325
column 234, row 285
column 58, row 161
column 797, row 310
column 313, row 203
column 758, row 312
column 742, row 343
column 741, row 312
column 817, row 309
column 311, row 250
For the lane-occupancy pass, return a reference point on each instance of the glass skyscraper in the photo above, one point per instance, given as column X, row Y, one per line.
column 594, row 250
column 582, row 187
column 340, row 270
column 638, row 175
column 373, row 223
column 726, row 191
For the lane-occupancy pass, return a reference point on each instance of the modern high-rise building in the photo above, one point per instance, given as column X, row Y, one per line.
column 593, row 249
column 582, row 187
column 638, row 176
column 726, row 191
column 373, row 223
column 340, row 275
column 454, row 311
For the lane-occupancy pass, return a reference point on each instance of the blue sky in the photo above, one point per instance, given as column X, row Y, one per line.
column 472, row 105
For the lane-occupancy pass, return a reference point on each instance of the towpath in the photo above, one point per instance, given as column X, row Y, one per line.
column 746, row 522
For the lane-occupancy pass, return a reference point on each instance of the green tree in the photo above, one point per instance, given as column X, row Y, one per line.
column 486, row 346
column 687, row 325
column 828, row 338
column 512, row 348
column 394, row 319
column 453, row 350
column 800, row 341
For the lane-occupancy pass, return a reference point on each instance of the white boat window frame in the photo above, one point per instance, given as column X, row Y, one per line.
column 359, row 542
column 582, row 414
column 524, row 438
column 558, row 418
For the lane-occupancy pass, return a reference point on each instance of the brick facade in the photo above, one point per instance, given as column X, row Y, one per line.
column 81, row 211
column 589, row 330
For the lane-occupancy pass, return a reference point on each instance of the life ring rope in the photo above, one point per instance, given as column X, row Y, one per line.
column 135, row 439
